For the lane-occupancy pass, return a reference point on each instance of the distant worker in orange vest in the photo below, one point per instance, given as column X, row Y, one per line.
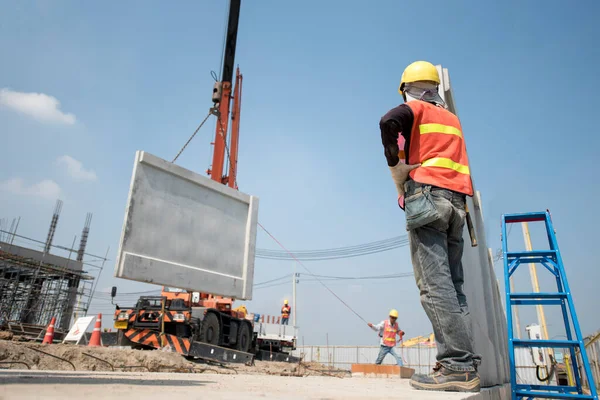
column 285, row 313
column 426, row 153
column 388, row 330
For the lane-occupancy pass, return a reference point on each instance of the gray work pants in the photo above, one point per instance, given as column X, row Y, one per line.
column 435, row 221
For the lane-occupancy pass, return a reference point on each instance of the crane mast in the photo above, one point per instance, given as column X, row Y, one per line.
column 222, row 95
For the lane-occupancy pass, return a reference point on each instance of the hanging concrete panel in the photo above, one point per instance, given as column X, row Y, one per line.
column 488, row 320
column 187, row 231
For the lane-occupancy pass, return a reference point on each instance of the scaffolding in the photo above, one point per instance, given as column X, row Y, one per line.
column 33, row 292
column 36, row 285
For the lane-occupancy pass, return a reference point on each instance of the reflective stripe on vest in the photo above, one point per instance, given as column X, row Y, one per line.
column 389, row 333
column 439, row 128
column 446, row 163
column 437, row 143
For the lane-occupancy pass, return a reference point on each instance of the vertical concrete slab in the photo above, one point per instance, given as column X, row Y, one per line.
column 488, row 321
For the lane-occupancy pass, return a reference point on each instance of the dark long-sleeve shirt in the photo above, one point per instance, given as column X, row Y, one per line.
column 398, row 120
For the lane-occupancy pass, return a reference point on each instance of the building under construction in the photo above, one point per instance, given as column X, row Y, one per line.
column 36, row 285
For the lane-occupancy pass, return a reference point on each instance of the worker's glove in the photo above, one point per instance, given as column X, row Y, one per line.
column 400, row 175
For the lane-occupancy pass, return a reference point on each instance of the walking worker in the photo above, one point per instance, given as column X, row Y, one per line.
column 285, row 313
column 425, row 151
column 388, row 330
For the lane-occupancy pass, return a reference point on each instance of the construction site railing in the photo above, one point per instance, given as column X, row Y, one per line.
column 420, row 357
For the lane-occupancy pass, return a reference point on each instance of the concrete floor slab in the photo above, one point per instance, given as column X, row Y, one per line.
column 60, row 385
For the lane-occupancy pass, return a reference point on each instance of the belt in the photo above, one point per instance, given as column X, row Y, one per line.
column 437, row 188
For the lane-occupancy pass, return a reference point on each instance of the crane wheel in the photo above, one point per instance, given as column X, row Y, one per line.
column 211, row 329
column 244, row 340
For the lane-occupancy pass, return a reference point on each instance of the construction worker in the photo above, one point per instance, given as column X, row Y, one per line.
column 388, row 330
column 425, row 151
column 285, row 313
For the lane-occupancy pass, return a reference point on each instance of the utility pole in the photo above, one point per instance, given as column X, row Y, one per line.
column 294, row 281
column 516, row 312
column 535, row 283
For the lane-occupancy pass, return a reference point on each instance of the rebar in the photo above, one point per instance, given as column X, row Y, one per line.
column 52, row 355
column 99, row 359
column 15, row 362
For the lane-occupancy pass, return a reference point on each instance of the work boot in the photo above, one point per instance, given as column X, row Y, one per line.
column 447, row 380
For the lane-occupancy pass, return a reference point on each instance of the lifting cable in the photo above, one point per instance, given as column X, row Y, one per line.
column 315, row 276
column 191, row 137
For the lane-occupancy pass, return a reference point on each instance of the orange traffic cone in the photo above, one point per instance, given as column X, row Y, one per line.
column 95, row 340
column 49, row 336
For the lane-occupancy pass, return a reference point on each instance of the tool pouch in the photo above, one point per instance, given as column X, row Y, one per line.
column 419, row 207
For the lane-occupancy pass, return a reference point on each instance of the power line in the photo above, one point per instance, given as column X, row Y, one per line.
column 314, row 277
column 336, row 253
column 360, row 278
column 272, row 285
column 274, row 280
column 359, row 246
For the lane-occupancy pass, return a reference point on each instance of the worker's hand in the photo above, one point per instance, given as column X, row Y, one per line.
column 401, row 334
column 370, row 325
column 400, row 175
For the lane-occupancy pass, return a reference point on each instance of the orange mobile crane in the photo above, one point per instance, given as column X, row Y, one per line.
column 202, row 324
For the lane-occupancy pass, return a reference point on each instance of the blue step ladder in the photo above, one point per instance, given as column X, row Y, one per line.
column 552, row 261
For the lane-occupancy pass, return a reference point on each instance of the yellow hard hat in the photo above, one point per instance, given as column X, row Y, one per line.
column 419, row 71
column 285, row 301
column 394, row 313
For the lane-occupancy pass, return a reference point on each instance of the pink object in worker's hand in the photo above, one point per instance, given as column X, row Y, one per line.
column 401, row 202
column 401, row 142
column 402, row 155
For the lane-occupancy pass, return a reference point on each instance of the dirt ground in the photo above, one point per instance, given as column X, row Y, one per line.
column 82, row 358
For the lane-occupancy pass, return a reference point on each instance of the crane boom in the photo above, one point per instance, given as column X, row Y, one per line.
column 231, row 41
column 222, row 94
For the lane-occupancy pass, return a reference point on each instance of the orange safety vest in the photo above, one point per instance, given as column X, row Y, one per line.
column 437, row 142
column 285, row 311
column 389, row 333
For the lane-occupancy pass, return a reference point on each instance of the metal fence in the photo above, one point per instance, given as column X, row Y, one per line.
column 421, row 358
column 526, row 367
column 593, row 353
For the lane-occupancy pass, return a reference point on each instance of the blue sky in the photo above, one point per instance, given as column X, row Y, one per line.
column 317, row 78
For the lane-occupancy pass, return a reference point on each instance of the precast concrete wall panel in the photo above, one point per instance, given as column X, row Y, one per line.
column 187, row 231
column 488, row 320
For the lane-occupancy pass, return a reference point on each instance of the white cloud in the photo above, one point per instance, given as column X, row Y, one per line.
column 75, row 169
column 37, row 105
column 46, row 189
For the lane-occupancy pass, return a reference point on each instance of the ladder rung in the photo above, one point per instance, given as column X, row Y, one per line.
column 533, row 299
column 545, row 343
column 539, row 295
column 524, row 217
column 534, row 253
column 550, row 395
column 546, row 388
column 517, row 302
